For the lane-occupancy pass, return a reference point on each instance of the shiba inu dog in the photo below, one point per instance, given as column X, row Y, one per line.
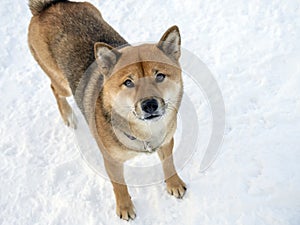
column 129, row 95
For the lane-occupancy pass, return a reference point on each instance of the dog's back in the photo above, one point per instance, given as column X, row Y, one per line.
column 69, row 30
column 61, row 37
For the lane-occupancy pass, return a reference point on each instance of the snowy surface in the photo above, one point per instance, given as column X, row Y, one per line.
column 252, row 47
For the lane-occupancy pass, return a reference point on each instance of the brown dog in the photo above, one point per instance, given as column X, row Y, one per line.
column 129, row 95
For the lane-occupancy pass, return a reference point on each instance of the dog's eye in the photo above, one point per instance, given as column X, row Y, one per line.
column 160, row 77
column 129, row 83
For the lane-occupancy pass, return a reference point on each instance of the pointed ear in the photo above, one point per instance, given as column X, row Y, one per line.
column 106, row 56
column 170, row 43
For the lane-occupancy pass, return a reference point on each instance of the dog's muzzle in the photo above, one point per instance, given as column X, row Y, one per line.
column 151, row 108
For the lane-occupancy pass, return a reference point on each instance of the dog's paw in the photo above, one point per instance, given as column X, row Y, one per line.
column 70, row 120
column 175, row 186
column 125, row 210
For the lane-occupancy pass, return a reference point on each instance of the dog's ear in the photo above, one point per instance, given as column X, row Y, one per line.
column 170, row 43
column 106, row 56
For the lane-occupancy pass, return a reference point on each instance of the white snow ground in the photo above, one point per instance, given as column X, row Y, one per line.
column 254, row 49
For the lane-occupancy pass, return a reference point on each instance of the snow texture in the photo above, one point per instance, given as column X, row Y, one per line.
column 253, row 49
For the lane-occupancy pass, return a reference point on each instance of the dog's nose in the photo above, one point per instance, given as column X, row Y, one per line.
column 149, row 105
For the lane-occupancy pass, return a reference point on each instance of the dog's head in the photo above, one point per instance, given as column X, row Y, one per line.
column 142, row 83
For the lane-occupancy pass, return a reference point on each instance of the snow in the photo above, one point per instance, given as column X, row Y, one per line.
column 253, row 50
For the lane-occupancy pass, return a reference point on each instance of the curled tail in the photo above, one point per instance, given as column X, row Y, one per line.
column 37, row 6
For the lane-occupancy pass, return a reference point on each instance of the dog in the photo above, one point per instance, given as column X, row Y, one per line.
column 129, row 95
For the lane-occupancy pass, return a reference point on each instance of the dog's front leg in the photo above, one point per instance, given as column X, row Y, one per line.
column 175, row 186
column 124, row 205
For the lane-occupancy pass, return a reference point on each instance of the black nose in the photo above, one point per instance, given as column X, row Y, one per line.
column 149, row 105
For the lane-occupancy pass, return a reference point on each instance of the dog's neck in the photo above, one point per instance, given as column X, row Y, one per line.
column 134, row 143
column 130, row 137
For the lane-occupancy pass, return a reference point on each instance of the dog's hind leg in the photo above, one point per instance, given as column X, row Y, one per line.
column 65, row 109
column 59, row 83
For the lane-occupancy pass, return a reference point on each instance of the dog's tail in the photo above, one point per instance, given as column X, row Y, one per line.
column 37, row 6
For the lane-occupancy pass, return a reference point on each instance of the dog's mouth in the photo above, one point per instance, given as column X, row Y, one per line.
column 151, row 117
column 155, row 116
